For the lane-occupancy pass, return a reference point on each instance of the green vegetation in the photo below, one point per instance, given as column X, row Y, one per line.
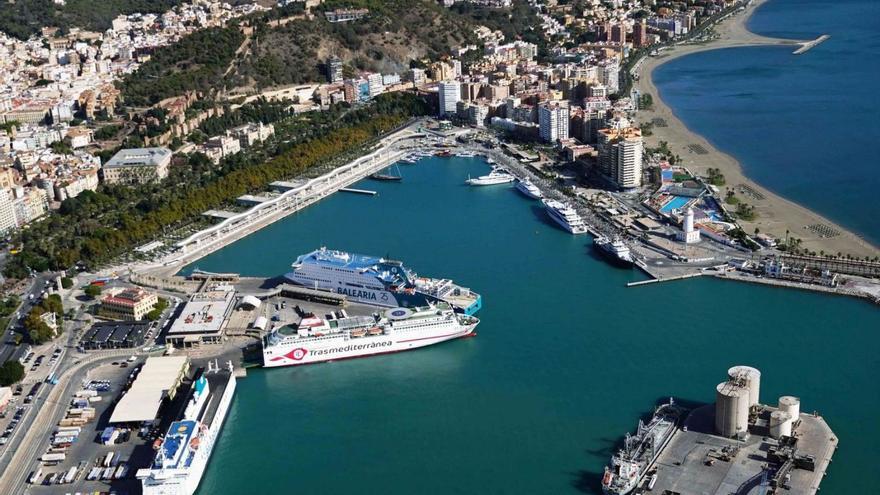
column 680, row 177
column 24, row 18
column 93, row 291
column 158, row 309
column 196, row 63
column 97, row 226
column 646, row 102
column 11, row 373
column 66, row 282
column 746, row 212
column 8, row 305
column 107, row 132
column 647, row 128
column 520, row 21
column 731, row 198
column 38, row 331
column 7, row 127
column 61, row 148
column 716, row 178
column 260, row 110
column 389, row 39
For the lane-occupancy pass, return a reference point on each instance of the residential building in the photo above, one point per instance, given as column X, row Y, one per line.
column 620, row 155
column 450, row 94
column 553, row 121
column 334, row 70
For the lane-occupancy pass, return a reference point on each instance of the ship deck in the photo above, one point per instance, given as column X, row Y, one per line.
column 217, row 383
column 682, row 466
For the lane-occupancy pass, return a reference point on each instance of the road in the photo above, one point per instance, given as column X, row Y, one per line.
column 36, row 288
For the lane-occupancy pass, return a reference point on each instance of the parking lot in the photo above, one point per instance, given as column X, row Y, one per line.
column 86, row 451
column 37, row 368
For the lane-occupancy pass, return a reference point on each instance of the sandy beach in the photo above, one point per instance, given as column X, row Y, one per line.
column 776, row 215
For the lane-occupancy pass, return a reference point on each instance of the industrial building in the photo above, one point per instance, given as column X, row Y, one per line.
column 739, row 445
column 115, row 335
column 203, row 318
column 158, row 379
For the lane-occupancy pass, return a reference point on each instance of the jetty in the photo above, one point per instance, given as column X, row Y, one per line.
column 358, row 191
column 806, row 46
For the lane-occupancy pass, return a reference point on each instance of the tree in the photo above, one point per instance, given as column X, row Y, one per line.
column 37, row 329
column 93, row 291
column 11, row 372
column 66, row 283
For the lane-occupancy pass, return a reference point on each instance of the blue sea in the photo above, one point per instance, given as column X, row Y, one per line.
column 566, row 361
column 805, row 126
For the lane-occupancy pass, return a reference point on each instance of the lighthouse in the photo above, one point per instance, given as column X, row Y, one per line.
column 689, row 234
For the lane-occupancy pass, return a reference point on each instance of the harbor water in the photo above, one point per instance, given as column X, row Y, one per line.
column 804, row 126
column 567, row 359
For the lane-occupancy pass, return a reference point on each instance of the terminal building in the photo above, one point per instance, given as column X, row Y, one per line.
column 157, row 381
column 203, row 318
column 115, row 335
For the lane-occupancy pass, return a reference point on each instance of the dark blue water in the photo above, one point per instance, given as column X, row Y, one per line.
column 566, row 361
column 805, row 126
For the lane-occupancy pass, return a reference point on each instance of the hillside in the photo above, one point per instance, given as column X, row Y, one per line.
column 395, row 32
column 24, row 18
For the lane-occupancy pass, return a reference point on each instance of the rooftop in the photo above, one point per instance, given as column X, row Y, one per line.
column 157, row 379
column 139, row 157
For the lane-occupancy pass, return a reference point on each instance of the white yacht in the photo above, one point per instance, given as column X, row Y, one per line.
column 530, row 190
column 565, row 216
column 496, row 176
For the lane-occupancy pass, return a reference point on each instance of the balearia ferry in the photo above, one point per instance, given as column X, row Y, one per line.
column 378, row 281
column 339, row 336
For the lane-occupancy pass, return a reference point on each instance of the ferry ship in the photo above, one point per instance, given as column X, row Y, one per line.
column 530, row 190
column 183, row 453
column 496, row 176
column 339, row 336
column 614, row 250
column 377, row 281
column 565, row 216
column 633, row 462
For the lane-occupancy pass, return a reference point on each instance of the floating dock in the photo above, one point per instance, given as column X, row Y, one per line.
column 810, row 44
column 358, row 191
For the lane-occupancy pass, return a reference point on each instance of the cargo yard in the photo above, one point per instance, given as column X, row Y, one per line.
column 736, row 445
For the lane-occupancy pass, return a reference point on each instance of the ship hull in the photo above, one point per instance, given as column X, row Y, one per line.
column 613, row 258
column 308, row 353
column 525, row 192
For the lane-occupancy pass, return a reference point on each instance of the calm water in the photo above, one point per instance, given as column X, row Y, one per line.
column 805, row 126
column 566, row 361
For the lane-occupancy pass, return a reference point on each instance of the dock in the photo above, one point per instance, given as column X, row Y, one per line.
column 805, row 47
column 664, row 279
column 358, row 191
column 697, row 461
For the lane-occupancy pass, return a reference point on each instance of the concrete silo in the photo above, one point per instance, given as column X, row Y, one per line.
column 747, row 377
column 731, row 409
column 780, row 424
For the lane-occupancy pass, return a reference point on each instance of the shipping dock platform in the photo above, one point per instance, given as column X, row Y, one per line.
column 740, row 446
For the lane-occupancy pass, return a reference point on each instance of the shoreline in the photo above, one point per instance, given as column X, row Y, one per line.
column 776, row 214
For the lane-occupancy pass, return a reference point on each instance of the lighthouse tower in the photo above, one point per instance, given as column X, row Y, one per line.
column 689, row 234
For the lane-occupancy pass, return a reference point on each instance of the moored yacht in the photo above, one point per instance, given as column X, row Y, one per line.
column 530, row 190
column 566, row 216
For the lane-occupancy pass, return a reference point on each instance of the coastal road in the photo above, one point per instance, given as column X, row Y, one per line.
column 36, row 288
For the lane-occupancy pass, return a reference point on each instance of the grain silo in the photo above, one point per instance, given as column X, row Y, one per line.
column 791, row 405
column 780, row 424
column 749, row 378
column 731, row 409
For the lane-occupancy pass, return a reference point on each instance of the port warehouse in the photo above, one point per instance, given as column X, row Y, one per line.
column 157, row 381
column 115, row 335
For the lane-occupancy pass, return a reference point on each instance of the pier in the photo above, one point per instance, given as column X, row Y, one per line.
column 664, row 279
column 358, row 191
column 805, row 47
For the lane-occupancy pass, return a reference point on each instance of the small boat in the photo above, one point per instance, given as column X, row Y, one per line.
column 528, row 189
column 387, row 177
column 443, row 154
column 496, row 176
column 375, row 331
column 358, row 332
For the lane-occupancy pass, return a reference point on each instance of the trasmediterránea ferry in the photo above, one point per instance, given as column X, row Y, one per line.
column 378, row 281
column 340, row 336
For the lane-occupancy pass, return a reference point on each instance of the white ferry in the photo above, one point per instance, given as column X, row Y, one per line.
column 566, row 216
column 339, row 336
column 377, row 281
column 182, row 454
